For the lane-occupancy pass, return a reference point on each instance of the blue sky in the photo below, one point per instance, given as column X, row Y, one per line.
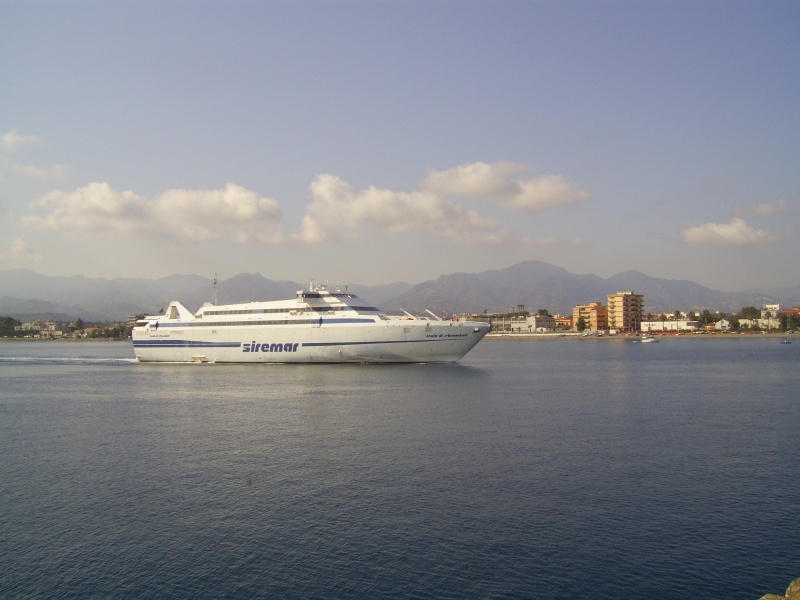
column 375, row 142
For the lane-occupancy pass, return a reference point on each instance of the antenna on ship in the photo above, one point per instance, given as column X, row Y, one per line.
column 214, row 293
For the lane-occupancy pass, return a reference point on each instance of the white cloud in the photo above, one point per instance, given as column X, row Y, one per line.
column 201, row 215
column 734, row 233
column 493, row 182
column 94, row 208
column 766, row 209
column 337, row 211
column 30, row 171
column 12, row 140
column 19, row 251
column 476, row 179
column 197, row 215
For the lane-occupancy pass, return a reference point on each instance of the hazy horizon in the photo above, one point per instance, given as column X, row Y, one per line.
column 327, row 281
column 401, row 141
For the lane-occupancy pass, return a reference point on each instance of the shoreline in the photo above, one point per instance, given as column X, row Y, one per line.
column 505, row 337
column 63, row 340
column 567, row 336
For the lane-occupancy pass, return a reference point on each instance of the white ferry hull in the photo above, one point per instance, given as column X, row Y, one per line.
column 393, row 341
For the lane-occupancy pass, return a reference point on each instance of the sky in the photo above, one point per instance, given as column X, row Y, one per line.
column 373, row 142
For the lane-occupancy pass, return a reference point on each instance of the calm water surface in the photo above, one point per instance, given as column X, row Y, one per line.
column 567, row 469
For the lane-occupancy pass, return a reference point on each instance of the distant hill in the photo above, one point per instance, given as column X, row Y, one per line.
column 535, row 284
column 245, row 287
column 9, row 305
column 788, row 296
column 94, row 299
column 26, row 294
column 32, row 309
column 538, row 284
column 379, row 295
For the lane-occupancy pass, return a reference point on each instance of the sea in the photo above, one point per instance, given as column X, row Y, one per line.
column 560, row 469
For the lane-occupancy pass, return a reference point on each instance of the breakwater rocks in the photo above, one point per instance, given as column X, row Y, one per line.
column 792, row 593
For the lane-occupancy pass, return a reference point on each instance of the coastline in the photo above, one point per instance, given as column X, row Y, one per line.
column 63, row 340
column 504, row 337
column 574, row 335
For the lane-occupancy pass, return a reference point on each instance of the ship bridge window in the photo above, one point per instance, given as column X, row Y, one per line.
column 251, row 323
column 246, row 311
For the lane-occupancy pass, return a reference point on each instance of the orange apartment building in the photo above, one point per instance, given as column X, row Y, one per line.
column 625, row 311
column 565, row 321
column 594, row 314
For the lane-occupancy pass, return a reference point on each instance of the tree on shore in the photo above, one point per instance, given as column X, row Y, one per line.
column 581, row 324
column 79, row 324
column 542, row 312
column 750, row 312
column 787, row 322
column 7, row 325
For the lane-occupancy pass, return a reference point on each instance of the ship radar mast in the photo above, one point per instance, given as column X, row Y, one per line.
column 214, row 292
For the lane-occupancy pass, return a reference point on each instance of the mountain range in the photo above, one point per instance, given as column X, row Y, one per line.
column 536, row 284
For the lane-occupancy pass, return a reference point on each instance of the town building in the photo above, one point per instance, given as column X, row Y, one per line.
column 594, row 314
column 133, row 318
column 722, row 325
column 673, row 325
column 625, row 311
column 770, row 311
column 564, row 321
column 541, row 323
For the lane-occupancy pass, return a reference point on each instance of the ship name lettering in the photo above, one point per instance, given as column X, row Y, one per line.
column 267, row 347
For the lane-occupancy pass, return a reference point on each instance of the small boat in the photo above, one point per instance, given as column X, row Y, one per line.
column 649, row 340
column 786, row 342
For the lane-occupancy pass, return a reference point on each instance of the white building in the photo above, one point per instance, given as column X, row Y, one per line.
column 541, row 323
column 722, row 325
column 770, row 311
column 760, row 323
column 679, row 325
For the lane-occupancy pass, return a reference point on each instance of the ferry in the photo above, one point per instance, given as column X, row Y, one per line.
column 318, row 326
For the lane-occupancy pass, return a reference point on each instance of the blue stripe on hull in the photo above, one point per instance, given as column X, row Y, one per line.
column 183, row 344
column 306, row 344
column 193, row 344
